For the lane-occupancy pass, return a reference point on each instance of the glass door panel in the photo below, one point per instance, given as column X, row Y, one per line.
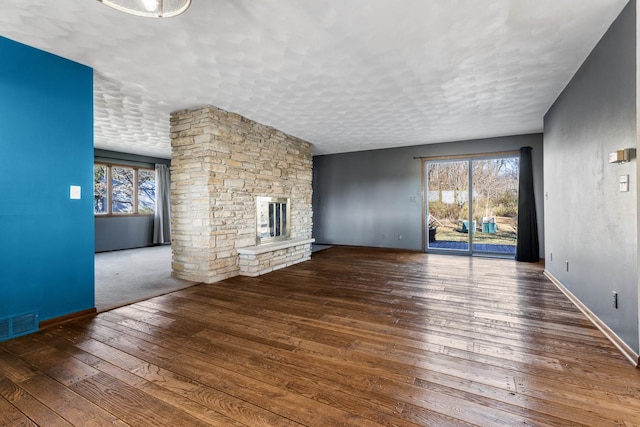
column 448, row 206
column 495, row 205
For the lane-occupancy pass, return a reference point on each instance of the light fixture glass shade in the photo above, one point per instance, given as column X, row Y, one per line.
column 150, row 8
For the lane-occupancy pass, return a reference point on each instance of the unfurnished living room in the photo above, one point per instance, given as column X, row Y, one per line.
column 319, row 213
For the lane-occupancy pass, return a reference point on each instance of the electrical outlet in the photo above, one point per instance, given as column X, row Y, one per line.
column 567, row 263
column 400, row 236
column 614, row 299
column 551, row 256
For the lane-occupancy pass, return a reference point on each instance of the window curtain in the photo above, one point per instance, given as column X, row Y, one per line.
column 162, row 216
column 527, row 247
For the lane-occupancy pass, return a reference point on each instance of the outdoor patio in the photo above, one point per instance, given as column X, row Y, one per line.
column 481, row 247
column 499, row 238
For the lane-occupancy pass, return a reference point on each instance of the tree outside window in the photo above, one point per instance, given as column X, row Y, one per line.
column 122, row 190
column 146, row 191
column 100, row 189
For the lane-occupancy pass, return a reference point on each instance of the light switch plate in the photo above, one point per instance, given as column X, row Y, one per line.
column 75, row 192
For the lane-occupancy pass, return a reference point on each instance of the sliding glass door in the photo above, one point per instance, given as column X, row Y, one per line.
column 471, row 205
column 448, row 206
column 495, row 205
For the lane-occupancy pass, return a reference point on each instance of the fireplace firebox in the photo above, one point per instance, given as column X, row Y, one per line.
column 273, row 216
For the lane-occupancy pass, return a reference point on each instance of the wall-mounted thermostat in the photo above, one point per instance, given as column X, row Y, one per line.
column 620, row 156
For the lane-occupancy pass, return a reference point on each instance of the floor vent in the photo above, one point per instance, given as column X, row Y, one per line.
column 21, row 324
column 5, row 329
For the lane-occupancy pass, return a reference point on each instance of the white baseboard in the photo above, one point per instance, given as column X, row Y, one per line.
column 627, row 351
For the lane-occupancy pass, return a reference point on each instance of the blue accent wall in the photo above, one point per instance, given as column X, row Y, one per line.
column 46, row 145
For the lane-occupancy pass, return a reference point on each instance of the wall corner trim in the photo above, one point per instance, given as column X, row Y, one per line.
column 624, row 348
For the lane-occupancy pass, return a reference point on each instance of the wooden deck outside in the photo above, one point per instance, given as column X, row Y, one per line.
column 354, row 337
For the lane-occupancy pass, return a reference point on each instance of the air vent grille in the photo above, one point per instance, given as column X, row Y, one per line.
column 24, row 323
column 21, row 324
column 5, row 329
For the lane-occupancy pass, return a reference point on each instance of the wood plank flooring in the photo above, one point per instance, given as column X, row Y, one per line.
column 354, row 337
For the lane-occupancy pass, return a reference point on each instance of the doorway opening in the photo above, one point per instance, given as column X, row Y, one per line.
column 471, row 204
column 131, row 208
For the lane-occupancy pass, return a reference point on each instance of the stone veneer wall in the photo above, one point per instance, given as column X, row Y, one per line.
column 221, row 162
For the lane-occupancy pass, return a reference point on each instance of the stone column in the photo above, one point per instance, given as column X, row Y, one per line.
column 195, row 187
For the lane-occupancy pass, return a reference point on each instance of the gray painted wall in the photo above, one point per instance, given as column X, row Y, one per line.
column 367, row 198
column 128, row 232
column 124, row 232
column 588, row 221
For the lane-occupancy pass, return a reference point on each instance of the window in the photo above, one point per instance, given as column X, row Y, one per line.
column 146, row 191
column 123, row 190
column 100, row 189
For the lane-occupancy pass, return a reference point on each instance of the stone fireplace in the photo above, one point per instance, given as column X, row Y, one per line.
column 223, row 164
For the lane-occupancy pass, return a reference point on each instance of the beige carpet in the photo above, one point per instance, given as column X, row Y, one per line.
column 125, row 277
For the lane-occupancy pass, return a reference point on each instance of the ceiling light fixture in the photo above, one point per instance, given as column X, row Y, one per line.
column 150, row 8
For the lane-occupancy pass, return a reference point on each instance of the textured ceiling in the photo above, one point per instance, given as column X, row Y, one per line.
column 345, row 75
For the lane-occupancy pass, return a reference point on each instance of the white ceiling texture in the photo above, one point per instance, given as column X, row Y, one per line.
column 345, row 75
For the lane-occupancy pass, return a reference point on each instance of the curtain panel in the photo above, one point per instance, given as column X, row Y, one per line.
column 527, row 247
column 162, row 216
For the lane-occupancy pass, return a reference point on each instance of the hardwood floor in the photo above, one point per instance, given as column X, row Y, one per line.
column 354, row 337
